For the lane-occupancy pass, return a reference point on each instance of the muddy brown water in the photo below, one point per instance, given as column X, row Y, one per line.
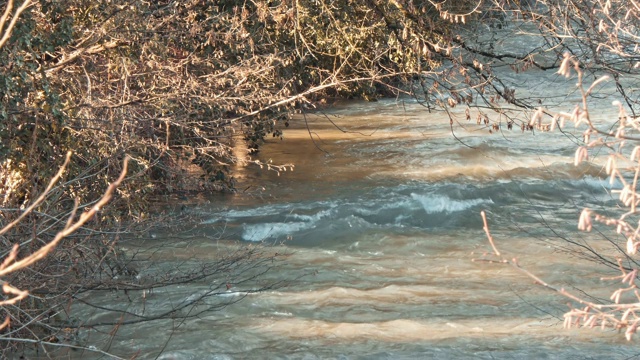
column 384, row 220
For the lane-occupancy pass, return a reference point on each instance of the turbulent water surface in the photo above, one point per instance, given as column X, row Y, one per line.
column 383, row 221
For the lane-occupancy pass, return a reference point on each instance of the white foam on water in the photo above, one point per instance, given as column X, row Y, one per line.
column 259, row 232
column 312, row 218
column 230, row 293
column 433, row 204
column 227, row 214
column 275, row 210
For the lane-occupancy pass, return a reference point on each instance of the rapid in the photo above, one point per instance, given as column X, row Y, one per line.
column 381, row 221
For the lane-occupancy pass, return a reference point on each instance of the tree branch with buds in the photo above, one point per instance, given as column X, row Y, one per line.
column 623, row 169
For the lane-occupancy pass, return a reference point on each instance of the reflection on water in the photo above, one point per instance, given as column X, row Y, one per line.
column 382, row 224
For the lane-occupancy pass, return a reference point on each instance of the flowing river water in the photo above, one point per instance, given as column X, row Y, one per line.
column 383, row 222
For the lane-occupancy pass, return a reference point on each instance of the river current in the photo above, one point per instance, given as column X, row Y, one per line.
column 381, row 221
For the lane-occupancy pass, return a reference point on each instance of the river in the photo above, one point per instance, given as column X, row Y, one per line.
column 380, row 220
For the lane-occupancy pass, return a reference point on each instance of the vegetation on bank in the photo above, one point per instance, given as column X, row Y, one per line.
column 175, row 85
column 172, row 86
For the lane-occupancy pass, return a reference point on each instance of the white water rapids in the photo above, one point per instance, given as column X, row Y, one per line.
column 384, row 221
